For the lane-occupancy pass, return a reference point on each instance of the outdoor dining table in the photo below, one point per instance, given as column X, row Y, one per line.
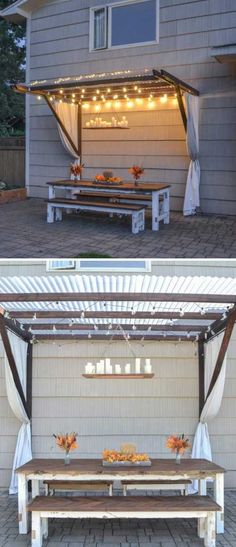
column 38, row 470
column 156, row 190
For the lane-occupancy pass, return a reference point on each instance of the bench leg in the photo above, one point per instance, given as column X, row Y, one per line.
column 58, row 214
column 201, row 521
column 35, row 488
column 124, row 490
column 138, row 222
column 210, row 533
column 111, row 490
column 50, row 213
column 45, row 527
column 36, row 532
column 219, row 498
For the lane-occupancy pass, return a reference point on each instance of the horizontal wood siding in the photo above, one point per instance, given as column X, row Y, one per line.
column 188, row 31
column 106, row 413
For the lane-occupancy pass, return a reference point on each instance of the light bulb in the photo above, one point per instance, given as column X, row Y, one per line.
column 164, row 98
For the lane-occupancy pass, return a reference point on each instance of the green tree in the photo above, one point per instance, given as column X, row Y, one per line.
column 12, row 70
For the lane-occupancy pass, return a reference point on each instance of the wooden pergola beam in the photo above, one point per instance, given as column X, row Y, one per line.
column 79, row 326
column 15, row 327
column 12, row 364
column 113, row 336
column 117, row 297
column 218, row 326
column 181, row 107
column 113, row 315
column 224, row 346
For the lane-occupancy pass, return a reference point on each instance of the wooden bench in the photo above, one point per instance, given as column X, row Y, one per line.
column 52, row 486
column 139, row 507
column 181, row 485
column 55, row 206
column 116, row 196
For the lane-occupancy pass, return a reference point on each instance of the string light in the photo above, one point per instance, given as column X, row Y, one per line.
column 61, row 91
column 130, row 104
column 94, row 98
column 164, row 98
column 85, row 106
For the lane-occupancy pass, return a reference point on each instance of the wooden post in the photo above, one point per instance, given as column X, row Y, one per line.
column 201, row 375
column 79, row 144
column 224, row 346
column 12, row 364
column 29, row 379
column 181, row 107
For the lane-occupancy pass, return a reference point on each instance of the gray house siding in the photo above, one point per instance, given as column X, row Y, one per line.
column 59, row 47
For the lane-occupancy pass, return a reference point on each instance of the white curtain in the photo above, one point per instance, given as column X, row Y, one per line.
column 201, row 444
column 192, row 199
column 68, row 113
column 23, row 451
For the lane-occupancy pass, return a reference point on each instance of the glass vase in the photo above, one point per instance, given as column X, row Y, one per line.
column 178, row 458
column 67, row 458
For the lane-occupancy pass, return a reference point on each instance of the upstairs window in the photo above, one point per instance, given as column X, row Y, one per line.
column 98, row 28
column 124, row 24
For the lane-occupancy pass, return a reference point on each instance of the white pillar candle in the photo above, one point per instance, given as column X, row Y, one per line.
column 117, row 369
column 107, row 365
column 137, row 365
column 127, row 368
column 148, row 366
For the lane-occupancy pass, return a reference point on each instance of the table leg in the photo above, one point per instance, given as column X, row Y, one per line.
column 166, row 207
column 22, row 504
column 35, row 488
column 51, row 192
column 219, row 498
column 201, row 521
column 155, row 211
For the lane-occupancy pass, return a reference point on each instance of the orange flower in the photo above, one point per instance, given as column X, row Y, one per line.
column 115, row 456
column 178, row 444
column 66, row 442
column 76, row 169
column 100, row 178
column 136, row 171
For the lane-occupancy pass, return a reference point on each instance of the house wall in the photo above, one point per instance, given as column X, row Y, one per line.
column 188, row 30
column 106, row 413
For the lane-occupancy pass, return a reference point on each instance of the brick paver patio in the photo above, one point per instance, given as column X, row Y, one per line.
column 25, row 234
column 122, row 533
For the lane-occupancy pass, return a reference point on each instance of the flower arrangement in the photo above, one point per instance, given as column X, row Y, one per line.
column 76, row 169
column 66, row 442
column 136, row 171
column 178, row 444
column 111, row 180
column 112, row 456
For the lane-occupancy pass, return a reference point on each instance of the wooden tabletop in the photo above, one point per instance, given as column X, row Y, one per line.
column 148, row 186
column 196, row 468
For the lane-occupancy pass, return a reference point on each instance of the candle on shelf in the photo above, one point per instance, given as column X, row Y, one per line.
column 107, row 364
column 148, row 366
column 137, row 365
column 127, row 368
column 117, row 369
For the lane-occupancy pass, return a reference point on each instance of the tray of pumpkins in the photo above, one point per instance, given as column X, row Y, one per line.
column 126, row 457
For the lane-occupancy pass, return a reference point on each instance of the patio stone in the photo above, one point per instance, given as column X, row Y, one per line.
column 25, row 234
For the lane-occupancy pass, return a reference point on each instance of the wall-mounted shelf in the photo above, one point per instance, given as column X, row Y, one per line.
column 120, row 376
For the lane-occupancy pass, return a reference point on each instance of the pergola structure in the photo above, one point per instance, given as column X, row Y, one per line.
column 134, row 307
column 113, row 88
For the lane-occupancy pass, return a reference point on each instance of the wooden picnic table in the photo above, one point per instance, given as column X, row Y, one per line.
column 158, row 191
column 38, row 470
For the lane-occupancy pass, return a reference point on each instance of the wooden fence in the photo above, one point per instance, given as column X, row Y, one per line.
column 12, row 161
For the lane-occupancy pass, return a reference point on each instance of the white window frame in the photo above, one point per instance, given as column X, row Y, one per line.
column 71, row 266
column 91, row 28
column 96, row 265
column 108, row 26
column 138, row 44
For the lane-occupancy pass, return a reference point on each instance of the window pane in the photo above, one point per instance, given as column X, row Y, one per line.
column 115, row 265
column 61, row 264
column 99, row 28
column 134, row 23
